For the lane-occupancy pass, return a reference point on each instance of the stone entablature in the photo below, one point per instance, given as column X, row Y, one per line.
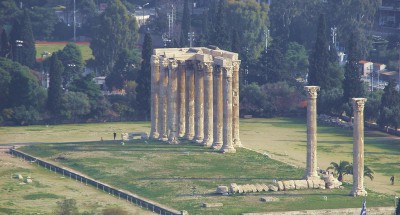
column 195, row 95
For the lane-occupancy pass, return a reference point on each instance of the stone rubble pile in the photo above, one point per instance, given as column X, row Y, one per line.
column 334, row 121
column 328, row 182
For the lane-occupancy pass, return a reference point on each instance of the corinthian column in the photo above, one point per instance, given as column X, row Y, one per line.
column 182, row 98
column 358, row 147
column 189, row 127
column 163, row 101
column 227, row 146
column 217, row 108
column 172, row 102
column 311, row 171
column 235, row 99
column 155, row 90
column 199, row 104
column 208, row 104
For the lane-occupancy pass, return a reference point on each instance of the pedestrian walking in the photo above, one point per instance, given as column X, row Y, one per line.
column 392, row 180
column 115, row 135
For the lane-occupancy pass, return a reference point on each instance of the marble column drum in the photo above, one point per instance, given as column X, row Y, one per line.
column 172, row 102
column 155, row 88
column 227, row 146
column 199, row 103
column 311, row 169
column 235, row 103
column 163, row 101
column 182, row 98
column 208, row 104
column 358, row 147
column 189, row 127
column 217, row 108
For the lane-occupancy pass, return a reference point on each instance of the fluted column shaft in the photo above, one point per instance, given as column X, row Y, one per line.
column 182, row 98
column 358, row 147
column 155, row 90
column 217, row 108
column 163, row 101
column 172, row 102
column 227, row 146
column 311, row 171
column 190, row 84
column 235, row 98
column 208, row 104
column 199, row 104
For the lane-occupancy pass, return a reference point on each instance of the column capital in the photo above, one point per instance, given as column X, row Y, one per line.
column 236, row 65
column 173, row 64
column 312, row 91
column 165, row 62
column 358, row 104
column 208, row 66
column 155, row 60
column 189, row 64
column 228, row 70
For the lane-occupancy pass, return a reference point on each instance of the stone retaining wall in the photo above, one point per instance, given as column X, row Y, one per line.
column 121, row 194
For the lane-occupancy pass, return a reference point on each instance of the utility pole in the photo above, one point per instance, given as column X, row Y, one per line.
column 191, row 38
column 74, row 24
column 266, row 34
column 334, row 34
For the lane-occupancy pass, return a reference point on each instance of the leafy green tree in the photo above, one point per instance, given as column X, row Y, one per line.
column 71, row 58
column 371, row 111
column 282, row 97
column 273, row 65
column 352, row 85
column 114, row 31
column 296, row 58
column 22, row 41
column 55, row 81
column 5, row 79
column 43, row 20
column 389, row 114
column 25, row 116
column 114, row 211
column 124, row 70
column 75, row 104
column 144, row 78
column 219, row 32
column 251, row 20
column 5, row 46
column 185, row 26
column 342, row 168
column 8, row 11
column 66, row 207
column 253, row 101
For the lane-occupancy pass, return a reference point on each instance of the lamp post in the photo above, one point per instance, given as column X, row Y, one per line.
column 143, row 12
column 191, row 38
column 68, row 77
column 74, row 24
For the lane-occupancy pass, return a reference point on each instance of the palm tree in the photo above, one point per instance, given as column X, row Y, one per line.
column 367, row 172
column 341, row 169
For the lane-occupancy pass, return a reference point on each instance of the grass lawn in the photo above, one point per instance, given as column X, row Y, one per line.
column 55, row 46
column 168, row 174
column 41, row 196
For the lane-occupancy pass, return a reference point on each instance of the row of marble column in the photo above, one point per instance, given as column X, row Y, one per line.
column 197, row 101
column 358, row 140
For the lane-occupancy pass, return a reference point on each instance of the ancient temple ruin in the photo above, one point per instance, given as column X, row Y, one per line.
column 195, row 95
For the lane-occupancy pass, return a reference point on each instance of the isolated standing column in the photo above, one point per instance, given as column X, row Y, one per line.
column 155, row 90
column 217, row 106
column 208, row 104
column 235, row 100
column 182, row 98
column 199, row 103
column 163, row 100
column 227, row 146
column 172, row 102
column 358, row 147
column 189, row 127
column 311, row 171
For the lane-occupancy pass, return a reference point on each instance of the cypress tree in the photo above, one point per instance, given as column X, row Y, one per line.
column 219, row 36
column 55, row 90
column 352, row 84
column 185, row 25
column 5, row 46
column 23, row 43
column 319, row 61
column 143, row 80
column 389, row 108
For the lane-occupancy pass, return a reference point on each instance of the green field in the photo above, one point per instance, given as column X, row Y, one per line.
column 168, row 173
column 41, row 47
